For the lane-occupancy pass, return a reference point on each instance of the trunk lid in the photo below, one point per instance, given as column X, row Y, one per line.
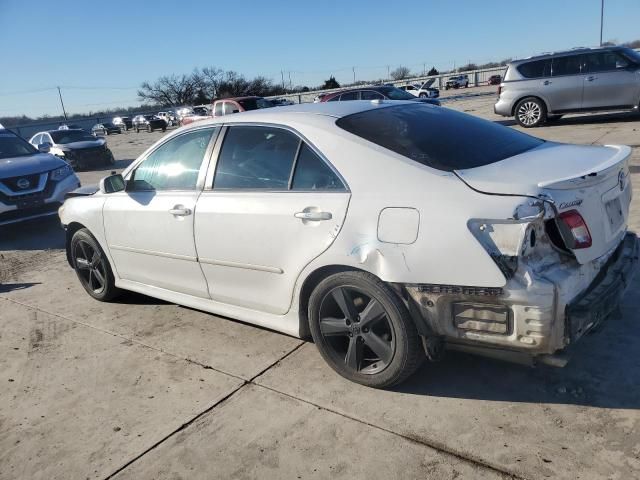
column 593, row 180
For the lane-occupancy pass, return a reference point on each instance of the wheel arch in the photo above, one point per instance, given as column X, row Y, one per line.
column 318, row 275
column 71, row 229
column 519, row 99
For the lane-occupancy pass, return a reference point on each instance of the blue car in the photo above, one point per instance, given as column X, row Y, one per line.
column 33, row 182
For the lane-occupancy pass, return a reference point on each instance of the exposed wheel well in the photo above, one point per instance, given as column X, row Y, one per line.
column 71, row 229
column 515, row 104
column 320, row 274
column 307, row 287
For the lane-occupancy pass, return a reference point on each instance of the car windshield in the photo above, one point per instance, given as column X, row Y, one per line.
column 70, row 136
column 632, row 54
column 149, row 117
column 394, row 93
column 255, row 103
column 13, row 146
column 437, row 137
column 108, row 124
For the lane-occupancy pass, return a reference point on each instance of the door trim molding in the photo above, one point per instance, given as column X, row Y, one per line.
column 175, row 256
column 246, row 266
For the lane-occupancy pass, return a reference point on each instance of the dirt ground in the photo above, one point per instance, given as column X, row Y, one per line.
column 144, row 389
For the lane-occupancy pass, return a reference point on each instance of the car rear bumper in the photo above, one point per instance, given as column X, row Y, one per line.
column 604, row 294
column 527, row 319
column 503, row 107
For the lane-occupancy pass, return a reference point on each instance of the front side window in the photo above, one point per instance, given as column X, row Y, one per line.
column 536, row 69
column 37, row 139
column 349, row 96
column 565, row 65
column 604, row 61
column 393, row 93
column 217, row 111
column 371, row 95
column 230, row 107
column 174, row 165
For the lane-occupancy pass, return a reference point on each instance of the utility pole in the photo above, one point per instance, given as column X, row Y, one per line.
column 354, row 74
column 282, row 75
column 424, row 69
column 62, row 103
column 290, row 86
column 388, row 72
column 601, row 19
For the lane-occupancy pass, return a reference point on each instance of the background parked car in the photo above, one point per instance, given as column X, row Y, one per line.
column 169, row 117
column 457, row 82
column 78, row 148
column 124, row 123
column 33, row 182
column 375, row 93
column 543, row 88
column 105, row 128
column 423, row 91
column 225, row 106
column 280, row 102
column 494, row 80
column 148, row 123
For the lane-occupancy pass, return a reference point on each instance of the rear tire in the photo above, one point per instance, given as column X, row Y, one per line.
column 424, row 95
column 92, row 267
column 363, row 330
column 149, row 128
column 137, row 129
column 531, row 112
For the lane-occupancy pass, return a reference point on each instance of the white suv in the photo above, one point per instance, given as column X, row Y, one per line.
column 457, row 82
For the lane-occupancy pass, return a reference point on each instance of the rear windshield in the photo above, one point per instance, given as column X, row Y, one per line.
column 437, row 137
column 255, row 103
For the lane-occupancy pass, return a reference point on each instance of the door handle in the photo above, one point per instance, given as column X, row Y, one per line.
column 180, row 211
column 313, row 216
column 547, row 82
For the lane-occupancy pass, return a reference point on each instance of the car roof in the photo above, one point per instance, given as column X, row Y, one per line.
column 573, row 51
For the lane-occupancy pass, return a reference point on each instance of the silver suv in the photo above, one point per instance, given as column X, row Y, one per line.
column 543, row 88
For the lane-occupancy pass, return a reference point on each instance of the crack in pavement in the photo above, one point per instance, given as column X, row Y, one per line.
column 436, row 446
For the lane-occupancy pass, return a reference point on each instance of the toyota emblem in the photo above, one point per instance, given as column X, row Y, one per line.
column 23, row 183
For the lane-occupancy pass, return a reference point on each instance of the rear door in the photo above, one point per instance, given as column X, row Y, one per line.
column 149, row 227
column 273, row 205
column 609, row 82
column 563, row 90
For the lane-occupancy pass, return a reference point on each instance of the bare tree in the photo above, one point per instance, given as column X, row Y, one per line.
column 170, row 90
column 400, row 73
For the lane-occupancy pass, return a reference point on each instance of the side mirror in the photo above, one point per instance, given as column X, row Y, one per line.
column 112, row 183
column 44, row 147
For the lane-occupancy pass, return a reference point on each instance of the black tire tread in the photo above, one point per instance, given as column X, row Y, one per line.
column 111, row 291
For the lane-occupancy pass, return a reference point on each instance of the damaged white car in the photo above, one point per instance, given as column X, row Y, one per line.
column 388, row 231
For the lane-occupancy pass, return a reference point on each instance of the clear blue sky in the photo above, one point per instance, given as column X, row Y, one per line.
column 108, row 48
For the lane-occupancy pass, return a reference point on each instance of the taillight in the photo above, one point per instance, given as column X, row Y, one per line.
column 575, row 231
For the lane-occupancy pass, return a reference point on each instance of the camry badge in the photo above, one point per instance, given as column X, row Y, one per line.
column 621, row 178
column 23, row 183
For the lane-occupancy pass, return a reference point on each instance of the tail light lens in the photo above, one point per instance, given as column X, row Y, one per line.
column 574, row 230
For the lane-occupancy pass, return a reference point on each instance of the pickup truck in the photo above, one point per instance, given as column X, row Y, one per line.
column 457, row 82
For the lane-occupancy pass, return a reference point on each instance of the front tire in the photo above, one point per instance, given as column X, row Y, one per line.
column 92, row 267
column 363, row 330
column 531, row 112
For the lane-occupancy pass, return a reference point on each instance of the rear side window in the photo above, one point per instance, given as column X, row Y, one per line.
column 312, row 173
column 256, row 158
column 230, row 108
column 537, row 69
column 217, row 110
column 565, row 65
column 437, row 137
column 604, row 61
column 349, row 96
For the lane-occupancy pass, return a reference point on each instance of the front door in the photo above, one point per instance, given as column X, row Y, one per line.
column 609, row 82
column 149, row 227
column 274, row 206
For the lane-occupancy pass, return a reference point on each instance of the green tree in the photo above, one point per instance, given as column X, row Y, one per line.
column 330, row 83
column 433, row 71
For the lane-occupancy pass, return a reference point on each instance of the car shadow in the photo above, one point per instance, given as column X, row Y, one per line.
column 133, row 298
column 43, row 233
column 10, row 287
column 603, row 371
column 586, row 119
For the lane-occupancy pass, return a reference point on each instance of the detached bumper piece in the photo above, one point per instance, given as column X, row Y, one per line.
column 605, row 293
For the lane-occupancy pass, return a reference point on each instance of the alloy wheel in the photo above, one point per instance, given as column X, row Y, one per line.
column 357, row 330
column 529, row 113
column 90, row 266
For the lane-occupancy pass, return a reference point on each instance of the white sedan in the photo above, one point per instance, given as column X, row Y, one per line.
column 388, row 231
